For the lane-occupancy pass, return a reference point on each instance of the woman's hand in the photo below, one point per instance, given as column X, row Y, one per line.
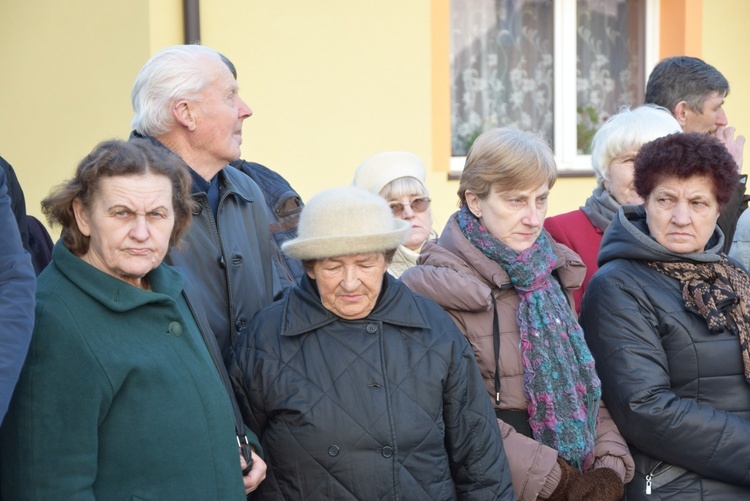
column 256, row 475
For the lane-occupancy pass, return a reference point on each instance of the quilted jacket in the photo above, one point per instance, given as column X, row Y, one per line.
column 466, row 283
column 390, row 406
column 675, row 389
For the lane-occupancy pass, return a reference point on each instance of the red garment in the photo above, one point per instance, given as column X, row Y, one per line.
column 575, row 230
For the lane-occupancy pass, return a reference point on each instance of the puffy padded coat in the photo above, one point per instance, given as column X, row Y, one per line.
column 465, row 282
column 675, row 389
column 387, row 407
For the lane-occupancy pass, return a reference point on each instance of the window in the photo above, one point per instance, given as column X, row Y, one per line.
column 560, row 67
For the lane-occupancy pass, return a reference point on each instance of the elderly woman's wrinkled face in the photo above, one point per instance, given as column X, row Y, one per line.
column 349, row 286
column 681, row 213
column 129, row 225
column 514, row 217
column 415, row 209
column 620, row 183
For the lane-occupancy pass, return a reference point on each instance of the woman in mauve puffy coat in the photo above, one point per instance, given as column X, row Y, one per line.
column 507, row 284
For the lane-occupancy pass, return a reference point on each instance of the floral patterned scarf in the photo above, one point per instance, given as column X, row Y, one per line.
column 560, row 380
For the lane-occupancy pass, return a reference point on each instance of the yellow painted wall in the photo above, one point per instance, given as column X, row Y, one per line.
column 331, row 82
column 66, row 70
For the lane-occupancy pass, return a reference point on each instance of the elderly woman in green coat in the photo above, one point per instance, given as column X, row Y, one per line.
column 120, row 397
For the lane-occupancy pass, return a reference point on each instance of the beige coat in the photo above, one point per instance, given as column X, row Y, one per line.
column 460, row 278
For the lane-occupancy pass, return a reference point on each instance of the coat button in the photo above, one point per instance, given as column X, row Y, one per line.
column 236, row 259
column 371, row 328
column 175, row 329
column 240, row 324
column 387, row 452
column 333, row 450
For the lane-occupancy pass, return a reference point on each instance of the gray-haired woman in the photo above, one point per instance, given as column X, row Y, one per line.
column 359, row 388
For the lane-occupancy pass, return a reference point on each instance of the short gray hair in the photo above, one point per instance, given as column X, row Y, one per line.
column 172, row 74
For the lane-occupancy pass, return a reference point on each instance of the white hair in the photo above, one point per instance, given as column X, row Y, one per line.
column 629, row 130
column 172, row 74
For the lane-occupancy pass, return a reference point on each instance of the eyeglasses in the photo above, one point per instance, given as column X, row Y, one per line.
column 417, row 205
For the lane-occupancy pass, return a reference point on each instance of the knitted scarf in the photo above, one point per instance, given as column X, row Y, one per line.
column 719, row 292
column 560, row 381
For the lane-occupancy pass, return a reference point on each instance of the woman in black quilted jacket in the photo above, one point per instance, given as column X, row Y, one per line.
column 667, row 317
column 357, row 387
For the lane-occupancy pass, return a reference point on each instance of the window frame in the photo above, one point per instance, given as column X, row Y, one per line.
column 569, row 162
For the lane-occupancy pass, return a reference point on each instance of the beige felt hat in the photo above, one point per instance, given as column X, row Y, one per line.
column 343, row 221
column 377, row 171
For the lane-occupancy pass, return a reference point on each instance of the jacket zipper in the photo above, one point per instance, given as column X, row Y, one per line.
column 653, row 474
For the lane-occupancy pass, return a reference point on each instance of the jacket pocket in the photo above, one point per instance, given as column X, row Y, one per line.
column 662, row 474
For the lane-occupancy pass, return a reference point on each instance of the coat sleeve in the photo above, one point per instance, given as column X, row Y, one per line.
column 17, row 287
column 611, row 449
column 533, row 466
column 246, row 375
column 622, row 331
column 50, row 435
column 474, row 445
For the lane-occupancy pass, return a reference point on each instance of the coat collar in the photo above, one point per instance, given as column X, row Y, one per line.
column 228, row 177
column 569, row 267
column 304, row 312
column 111, row 292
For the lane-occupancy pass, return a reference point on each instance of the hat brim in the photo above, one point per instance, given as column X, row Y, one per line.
column 342, row 245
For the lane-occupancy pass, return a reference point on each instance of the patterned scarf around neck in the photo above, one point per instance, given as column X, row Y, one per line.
column 719, row 292
column 559, row 376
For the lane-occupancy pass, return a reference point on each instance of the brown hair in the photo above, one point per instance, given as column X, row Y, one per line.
column 111, row 159
column 684, row 156
column 506, row 159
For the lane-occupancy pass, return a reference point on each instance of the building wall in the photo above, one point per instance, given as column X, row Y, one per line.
column 330, row 82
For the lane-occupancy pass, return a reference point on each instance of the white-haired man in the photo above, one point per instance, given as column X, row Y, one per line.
column 186, row 99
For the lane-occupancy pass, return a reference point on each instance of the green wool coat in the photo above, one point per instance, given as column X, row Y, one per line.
column 119, row 398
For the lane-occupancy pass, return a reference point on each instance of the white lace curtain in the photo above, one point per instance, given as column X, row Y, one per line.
column 502, row 65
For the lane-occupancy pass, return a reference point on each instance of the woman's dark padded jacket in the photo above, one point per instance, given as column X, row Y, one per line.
column 675, row 389
column 391, row 406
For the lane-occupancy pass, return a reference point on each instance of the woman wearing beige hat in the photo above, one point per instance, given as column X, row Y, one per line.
column 357, row 387
column 399, row 177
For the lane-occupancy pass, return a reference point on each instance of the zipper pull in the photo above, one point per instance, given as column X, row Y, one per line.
column 648, row 485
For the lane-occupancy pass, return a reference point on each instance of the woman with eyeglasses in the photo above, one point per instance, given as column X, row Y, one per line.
column 506, row 283
column 399, row 177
